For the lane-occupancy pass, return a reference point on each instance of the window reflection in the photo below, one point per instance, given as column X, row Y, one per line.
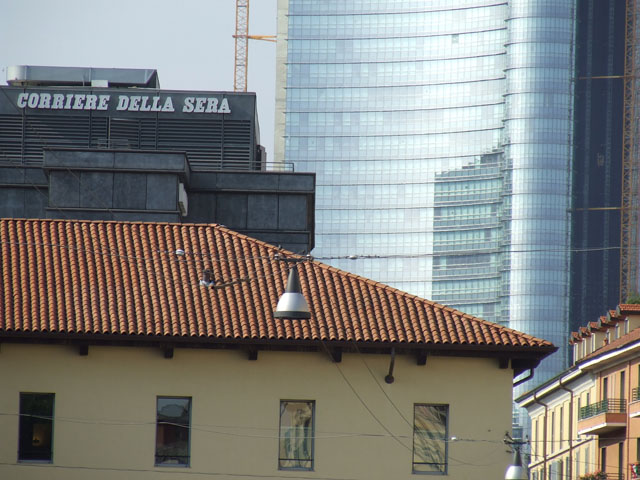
column 173, row 425
column 296, row 435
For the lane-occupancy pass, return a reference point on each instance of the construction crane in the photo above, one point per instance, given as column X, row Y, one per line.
column 629, row 205
column 242, row 45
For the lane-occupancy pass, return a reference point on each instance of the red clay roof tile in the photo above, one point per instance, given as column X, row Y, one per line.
column 85, row 277
column 623, row 341
column 625, row 308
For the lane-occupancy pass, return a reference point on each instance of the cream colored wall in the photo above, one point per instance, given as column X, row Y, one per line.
column 104, row 425
column 582, row 450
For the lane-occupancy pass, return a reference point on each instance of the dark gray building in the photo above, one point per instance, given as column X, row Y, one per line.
column 597, row 166
column 110, row 144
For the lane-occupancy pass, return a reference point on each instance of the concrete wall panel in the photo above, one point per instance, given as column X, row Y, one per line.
column 262, row 211
column 64, row 189
column 293, row 212
column 231, row 210
column 96, row 189
column 162, row 192
column 130, row 190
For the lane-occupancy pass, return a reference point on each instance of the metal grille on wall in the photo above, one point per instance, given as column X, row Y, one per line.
column 209, row 144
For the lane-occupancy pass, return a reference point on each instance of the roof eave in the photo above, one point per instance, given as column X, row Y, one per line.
column 440, row 349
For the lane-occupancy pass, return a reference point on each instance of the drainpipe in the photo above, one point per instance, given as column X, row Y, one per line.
column 522, row 380
column 628, row 439
column 570, row 427
column 544, row 435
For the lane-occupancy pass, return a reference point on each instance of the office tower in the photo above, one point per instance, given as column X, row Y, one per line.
column 441, row 135
column 597, row 165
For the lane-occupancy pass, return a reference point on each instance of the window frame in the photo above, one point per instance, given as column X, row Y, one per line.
column 22, row 414
column 445, row 469
column 311, row 460
column 188, row 426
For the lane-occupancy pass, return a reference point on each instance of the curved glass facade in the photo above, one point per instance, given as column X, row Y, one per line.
column 399, row 106
column 441, row 136
column 538, row 145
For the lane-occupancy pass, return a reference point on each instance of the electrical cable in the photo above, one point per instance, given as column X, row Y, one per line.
column 171, row 471
column 362, row 402
column 232, row 258
column 197, row 427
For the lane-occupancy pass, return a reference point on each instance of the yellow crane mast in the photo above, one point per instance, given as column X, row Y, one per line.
column 242, row 45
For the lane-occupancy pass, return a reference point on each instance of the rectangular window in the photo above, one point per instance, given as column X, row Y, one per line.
column 296, row 435
column 36, row 427
column 559, row 469
column 430, row 429
column 621, row 465
column 173, row 429
column 553, row 431
column 561, row 435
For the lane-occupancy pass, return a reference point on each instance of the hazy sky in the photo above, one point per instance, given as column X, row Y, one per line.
column 189, row 42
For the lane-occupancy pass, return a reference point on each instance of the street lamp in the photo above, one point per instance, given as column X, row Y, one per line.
column 292, row 303
column 516, row 471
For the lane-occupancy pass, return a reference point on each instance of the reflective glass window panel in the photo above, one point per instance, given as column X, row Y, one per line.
column 173, row 425
column 430, row 424
column 35, row 441
column 296, row 435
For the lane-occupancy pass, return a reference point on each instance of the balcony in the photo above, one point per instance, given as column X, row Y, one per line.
column 634, row 404
column 603, row 417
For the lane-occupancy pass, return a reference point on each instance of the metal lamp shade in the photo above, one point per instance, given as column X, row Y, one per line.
column 516, row 471
column 292, row 303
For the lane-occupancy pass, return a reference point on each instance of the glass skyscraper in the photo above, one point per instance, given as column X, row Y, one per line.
column 441, row 135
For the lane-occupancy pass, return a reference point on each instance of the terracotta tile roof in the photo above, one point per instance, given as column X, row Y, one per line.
column 106, row 278
column 625, row 308
column 625, row 340
column 575, row 337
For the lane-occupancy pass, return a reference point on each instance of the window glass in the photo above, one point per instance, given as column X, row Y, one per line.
column 296, row 435
column 430, row 424
column 173, row 425
column 36, row 426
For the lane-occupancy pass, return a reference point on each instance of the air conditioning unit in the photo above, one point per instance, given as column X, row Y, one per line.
column 183, row 201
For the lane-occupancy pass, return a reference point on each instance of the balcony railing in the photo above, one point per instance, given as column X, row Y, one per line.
column 615, row 476
column 635, row 394
column 609, row 405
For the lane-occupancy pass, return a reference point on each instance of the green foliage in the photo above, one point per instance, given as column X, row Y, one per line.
column 594, row 476
column 634, row 298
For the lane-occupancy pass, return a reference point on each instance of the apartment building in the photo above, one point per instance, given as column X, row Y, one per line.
column 587, row 419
